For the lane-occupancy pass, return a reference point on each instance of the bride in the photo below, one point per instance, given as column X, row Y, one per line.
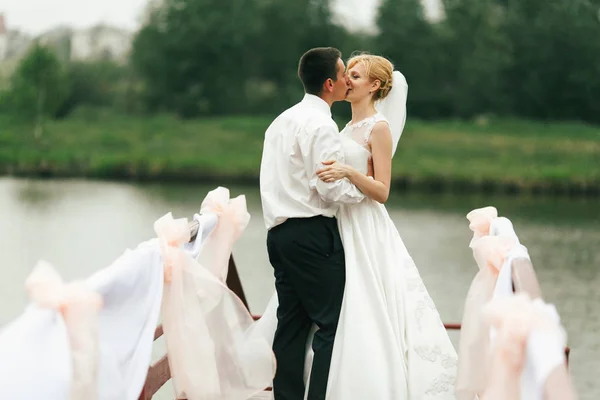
column 390, row 342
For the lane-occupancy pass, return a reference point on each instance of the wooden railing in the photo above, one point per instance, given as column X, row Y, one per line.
column 524, row 280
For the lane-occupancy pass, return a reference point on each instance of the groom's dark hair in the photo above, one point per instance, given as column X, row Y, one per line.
column 316, row 66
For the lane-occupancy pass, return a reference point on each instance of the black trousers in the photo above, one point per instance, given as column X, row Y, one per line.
column 308, row 259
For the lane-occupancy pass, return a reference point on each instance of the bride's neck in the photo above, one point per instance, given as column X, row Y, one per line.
column 362, row 109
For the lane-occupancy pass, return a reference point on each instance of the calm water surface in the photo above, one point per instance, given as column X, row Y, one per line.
column 81, row 226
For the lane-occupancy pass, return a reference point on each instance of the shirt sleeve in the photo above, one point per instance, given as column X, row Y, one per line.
column 325, row 144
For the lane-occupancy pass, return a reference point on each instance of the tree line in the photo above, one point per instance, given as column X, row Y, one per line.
column 537, row 59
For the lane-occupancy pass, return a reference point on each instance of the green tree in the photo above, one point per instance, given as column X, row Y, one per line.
column 194, row 55
column 290, row 28
column 103, row 84
column 38, row 86
column 413, row 45
column 555, row 72
column 211, row 57
column 477, row 53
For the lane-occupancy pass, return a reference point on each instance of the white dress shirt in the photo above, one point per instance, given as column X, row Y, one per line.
column 296, row 144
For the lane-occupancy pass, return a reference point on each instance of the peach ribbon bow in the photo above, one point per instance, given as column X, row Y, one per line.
column 172, row 234
column 79, row 307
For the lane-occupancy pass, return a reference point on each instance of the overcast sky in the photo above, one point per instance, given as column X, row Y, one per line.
column 37, row 16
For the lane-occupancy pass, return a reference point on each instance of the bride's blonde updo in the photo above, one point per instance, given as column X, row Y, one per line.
column 378, row 68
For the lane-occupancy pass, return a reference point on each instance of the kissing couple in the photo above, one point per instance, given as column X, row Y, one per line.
column 351, row 317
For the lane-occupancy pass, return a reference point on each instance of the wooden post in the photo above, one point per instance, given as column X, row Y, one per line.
column 158, row 373
column 234, row 283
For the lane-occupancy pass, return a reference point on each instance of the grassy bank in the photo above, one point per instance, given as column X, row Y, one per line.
column 506, row 155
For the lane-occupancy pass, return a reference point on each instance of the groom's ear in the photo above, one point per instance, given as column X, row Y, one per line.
column 328, row 85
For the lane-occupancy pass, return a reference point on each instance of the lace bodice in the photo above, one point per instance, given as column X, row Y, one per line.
column 355, row 140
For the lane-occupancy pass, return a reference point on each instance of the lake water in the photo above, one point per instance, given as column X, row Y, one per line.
column 81, row 226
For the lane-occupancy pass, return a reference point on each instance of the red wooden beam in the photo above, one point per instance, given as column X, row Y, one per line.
column 455, row 327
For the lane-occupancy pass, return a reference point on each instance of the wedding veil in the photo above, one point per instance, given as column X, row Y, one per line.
column 393, row 107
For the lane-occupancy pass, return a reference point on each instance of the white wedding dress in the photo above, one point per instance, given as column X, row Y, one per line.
column 391, row 343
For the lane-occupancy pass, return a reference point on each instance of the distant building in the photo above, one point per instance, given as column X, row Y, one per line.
column 58, row 39
column 13, row 43
column 100, row 43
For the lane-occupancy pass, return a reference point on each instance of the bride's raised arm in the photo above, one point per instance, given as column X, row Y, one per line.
column 378, row 186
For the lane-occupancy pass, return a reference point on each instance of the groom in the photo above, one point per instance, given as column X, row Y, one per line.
column 303, row 241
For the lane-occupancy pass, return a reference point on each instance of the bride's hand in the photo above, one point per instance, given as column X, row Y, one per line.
column 333, row 171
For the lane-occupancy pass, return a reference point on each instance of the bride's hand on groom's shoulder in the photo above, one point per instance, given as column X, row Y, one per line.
column 333, row 171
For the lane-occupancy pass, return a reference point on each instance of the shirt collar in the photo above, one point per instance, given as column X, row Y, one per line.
column 317, row 102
